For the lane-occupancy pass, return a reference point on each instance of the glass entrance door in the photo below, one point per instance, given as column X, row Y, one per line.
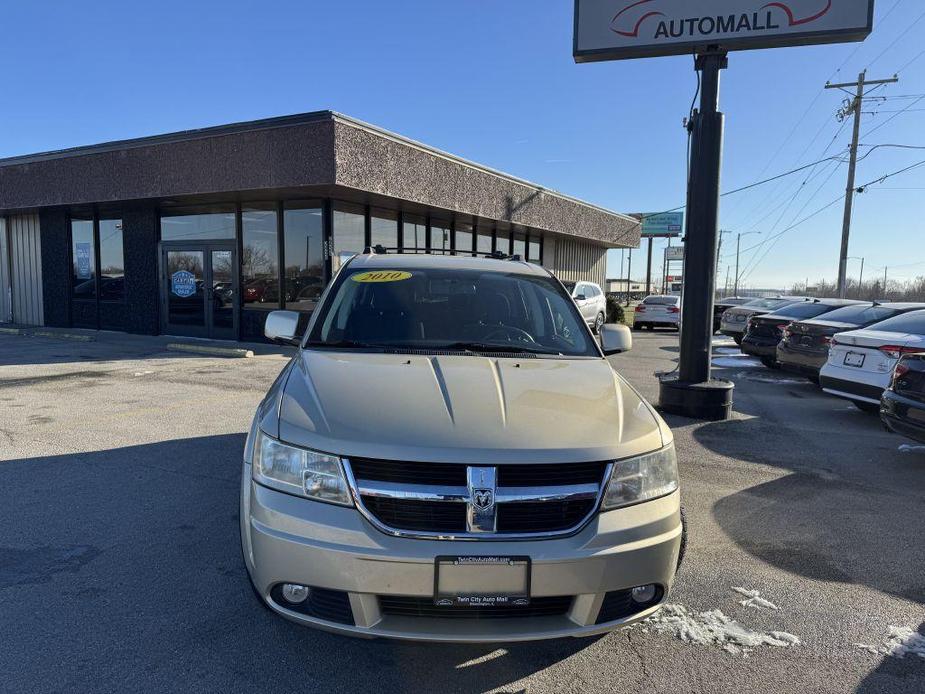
column 198, row 290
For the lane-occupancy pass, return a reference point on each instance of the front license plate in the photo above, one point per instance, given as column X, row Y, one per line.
column 482, row 581
column 854, row 359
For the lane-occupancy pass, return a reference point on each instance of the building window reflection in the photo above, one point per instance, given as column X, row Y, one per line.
column 303, row 269
column 348, row 235
column 260, row 256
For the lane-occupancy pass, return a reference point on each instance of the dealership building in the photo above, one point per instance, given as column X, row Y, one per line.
column 200, row 233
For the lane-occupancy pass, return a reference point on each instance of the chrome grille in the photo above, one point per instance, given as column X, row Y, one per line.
column 456, row 501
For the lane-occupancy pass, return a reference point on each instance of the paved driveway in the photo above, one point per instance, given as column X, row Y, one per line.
column 120, row 567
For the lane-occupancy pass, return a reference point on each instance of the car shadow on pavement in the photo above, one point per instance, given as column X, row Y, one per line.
column 893, row 674
column 844, row 522
column 128, row 560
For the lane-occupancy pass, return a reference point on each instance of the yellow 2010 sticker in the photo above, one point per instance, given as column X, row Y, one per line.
column 381, row 276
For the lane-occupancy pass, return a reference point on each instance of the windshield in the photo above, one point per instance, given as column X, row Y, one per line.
column 860, row 315
column 450, row 309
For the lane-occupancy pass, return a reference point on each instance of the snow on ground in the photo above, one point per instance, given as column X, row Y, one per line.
column 902, row 641
column 753, row 599
column 909, row 448
column 758, row 378
column 742, row 361
column 713, row 628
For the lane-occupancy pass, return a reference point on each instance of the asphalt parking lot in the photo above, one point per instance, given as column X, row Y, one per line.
column 120, row 566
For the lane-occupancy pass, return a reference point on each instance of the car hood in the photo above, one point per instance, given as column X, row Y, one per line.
column 460, row 408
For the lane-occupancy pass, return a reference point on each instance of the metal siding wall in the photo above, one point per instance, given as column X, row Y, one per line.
column 579, row 262
column 6, row 312
column 26, row 255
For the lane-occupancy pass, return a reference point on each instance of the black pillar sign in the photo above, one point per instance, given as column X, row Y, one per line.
column 620, row 29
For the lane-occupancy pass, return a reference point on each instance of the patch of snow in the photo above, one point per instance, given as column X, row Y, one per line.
column 909, row 448
column 902, row 641
column 743, row 361
column 758, row 378
column 713, row 628
column 753, row 599
column 733, row 351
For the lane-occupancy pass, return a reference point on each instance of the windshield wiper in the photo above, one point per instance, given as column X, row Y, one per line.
column 346, row 344
column 492, row 347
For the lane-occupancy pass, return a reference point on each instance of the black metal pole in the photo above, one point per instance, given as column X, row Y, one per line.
column 649, row 269
column 691, row 391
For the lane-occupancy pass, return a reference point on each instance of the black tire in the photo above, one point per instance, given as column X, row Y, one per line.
column 737, row 339
column 599, row 323
column 868, row 407
column 771, row 363
column 683, row 549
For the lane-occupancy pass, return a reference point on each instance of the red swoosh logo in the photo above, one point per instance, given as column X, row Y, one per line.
column 794, row 22
column 635, row 32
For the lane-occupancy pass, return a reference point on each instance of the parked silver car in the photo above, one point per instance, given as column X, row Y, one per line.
column 450, row 457
column 591, row 301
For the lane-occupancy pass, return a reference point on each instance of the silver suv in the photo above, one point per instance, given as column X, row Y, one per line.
column 591, row 301
column 450, row 457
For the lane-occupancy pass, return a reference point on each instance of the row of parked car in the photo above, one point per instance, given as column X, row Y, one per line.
column 871, row 353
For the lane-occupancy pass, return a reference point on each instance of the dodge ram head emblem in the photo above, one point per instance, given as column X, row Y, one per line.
column 483, row 499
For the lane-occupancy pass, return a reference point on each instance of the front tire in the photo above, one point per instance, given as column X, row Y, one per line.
column 771, row 363
column 737, row 339
column 598, row 323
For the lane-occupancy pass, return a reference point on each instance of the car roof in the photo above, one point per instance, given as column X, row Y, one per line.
column 901, row 305
column 421, row 261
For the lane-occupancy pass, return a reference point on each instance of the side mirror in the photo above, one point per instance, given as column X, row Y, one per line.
column 616, row 339
column 581, row 297
column 282, row 326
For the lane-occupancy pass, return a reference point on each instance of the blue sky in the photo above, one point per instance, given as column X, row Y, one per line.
column 495, row 82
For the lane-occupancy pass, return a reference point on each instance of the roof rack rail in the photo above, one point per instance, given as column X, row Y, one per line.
column 379, row 249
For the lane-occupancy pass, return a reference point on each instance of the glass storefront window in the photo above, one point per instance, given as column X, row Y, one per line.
column 83, row 276
column 348, row 234
column 503, row 241
column 414, row 233
column 260, row 259
column 194, row 224
column 112, row 260
column 534, row 254
column 439, row 236
column 383, row 228
column 463, row 238
column 303, row 269
column 520, row 245
column 483, row 240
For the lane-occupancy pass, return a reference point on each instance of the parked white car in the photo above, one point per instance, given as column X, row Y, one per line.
column 591, row 301
column 861, row 362
column 658, row 311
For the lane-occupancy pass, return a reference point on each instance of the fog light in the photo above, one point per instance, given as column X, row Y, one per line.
column 295, row 593
column 643, row 594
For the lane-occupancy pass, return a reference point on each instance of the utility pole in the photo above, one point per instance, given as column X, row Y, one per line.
column 629, row 277
column 649, row 269
column 726, row 289
column 884, row 283
column 852, row 108
column 719, row 254
column 735, row 291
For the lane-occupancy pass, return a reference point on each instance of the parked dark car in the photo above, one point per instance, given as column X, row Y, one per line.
column 723, row 305
column 902, row 407
column 804, row 347
column 764, row 332
column 735, row 319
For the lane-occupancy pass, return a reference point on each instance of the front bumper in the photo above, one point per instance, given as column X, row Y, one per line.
column 288, row 539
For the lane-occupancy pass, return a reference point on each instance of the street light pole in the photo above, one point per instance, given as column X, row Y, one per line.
column 861, row 278
column 735, row 292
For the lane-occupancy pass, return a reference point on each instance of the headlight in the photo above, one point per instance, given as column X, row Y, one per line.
column 315, row 475
column 642, row 479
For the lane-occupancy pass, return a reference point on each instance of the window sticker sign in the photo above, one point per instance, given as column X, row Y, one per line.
column 621, row 29
column 381, row 276
column 183, row 283
column 82, row 256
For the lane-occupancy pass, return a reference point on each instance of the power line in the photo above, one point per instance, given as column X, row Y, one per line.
column 861, row 188
column 894, row 116
column 898, row 38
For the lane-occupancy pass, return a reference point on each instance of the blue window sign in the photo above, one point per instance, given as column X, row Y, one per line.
column 82, row 251
column 183, row 283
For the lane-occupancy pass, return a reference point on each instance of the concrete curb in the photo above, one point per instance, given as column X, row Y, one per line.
column 63, row 336
column 214, row 351
column 12, row 331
